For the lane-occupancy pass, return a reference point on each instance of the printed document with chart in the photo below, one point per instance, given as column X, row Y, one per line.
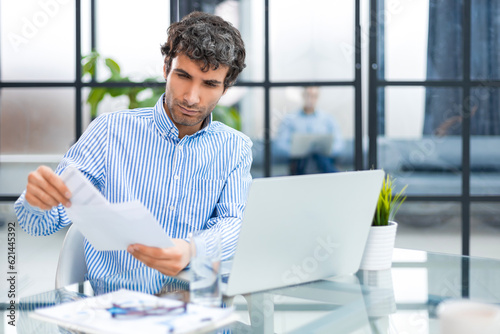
column 110, row 226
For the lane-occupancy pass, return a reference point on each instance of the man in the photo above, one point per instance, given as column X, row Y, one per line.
column 309, row 120
column 190, row 172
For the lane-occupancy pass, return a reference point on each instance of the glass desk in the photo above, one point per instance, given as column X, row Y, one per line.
column 399, row 300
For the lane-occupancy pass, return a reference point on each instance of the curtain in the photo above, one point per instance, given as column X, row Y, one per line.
column 443, row 106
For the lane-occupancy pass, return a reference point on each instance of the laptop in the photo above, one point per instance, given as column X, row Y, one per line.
column 298, row 229
column 304, row 144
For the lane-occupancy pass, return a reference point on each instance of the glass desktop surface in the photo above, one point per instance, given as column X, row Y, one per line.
column 402, row 299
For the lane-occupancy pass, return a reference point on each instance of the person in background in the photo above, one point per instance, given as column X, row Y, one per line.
column 192, row 173
column 309, row 120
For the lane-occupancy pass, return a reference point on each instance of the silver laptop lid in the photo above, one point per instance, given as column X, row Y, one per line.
column 303, row 228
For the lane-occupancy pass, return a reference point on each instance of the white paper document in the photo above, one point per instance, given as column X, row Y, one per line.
column 110, row 226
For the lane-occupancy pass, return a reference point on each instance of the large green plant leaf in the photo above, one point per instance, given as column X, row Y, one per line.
column 89, row 63
column 151, row 101
column 227, row 115
column 95, row 97
column 114, row 68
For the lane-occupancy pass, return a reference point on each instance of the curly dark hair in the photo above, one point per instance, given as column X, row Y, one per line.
column 209, row 39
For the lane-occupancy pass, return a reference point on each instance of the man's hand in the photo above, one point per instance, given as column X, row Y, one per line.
column 46, row 189
column 169, row 261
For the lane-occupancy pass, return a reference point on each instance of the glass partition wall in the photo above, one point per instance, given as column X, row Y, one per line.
column 407, row 86
column 434, row 119
column 52, row 84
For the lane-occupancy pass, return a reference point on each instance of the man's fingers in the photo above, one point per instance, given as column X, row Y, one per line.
column 165, row 260
column 35, row 194
column 161, row 253
column 55, row 181
column 146, row 259
column 148, row 255
column 42, row 184
column 34, row 201
column 165, row 266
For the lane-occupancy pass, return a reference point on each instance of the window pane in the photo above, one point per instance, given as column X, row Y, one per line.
column 311, row 41
column 406, row 39
column 133, row 37
column 485, row 141
column 320, row 141
column 485, row 37
column 85, row 21
column 7, row 214
column 86, row 32
column 430, row 226
column 422, row 149
column 33, row 131
column 248, row 17
column 419, row 38
column 485, row 229
column 31, row 33
column 249, row 104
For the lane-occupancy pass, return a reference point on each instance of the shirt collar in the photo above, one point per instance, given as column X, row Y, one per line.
column 165, row 125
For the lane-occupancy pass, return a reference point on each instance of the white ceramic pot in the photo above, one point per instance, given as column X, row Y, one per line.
column 379, row 247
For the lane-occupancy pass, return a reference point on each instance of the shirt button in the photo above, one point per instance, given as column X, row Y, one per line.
column 172, row 208
column 180, row 147
column 176, row 177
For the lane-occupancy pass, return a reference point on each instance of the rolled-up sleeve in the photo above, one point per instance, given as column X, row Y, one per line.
column 231, row 205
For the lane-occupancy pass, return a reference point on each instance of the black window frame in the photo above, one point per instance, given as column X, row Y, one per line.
column 465, row 83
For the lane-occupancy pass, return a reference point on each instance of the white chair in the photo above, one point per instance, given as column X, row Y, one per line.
column 71, row 267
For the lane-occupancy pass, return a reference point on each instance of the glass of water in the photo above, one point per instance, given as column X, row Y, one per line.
column 204, row 286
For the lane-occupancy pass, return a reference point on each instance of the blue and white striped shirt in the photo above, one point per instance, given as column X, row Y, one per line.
column 197, row 182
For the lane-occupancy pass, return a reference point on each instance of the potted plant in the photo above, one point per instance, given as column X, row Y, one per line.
column 382, row 236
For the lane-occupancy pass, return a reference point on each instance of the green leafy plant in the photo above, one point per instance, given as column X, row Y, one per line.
column 89, row 64
column 227, row 115
column 388, row 203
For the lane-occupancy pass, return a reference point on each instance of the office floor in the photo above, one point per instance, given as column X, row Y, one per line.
column 36, row 259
